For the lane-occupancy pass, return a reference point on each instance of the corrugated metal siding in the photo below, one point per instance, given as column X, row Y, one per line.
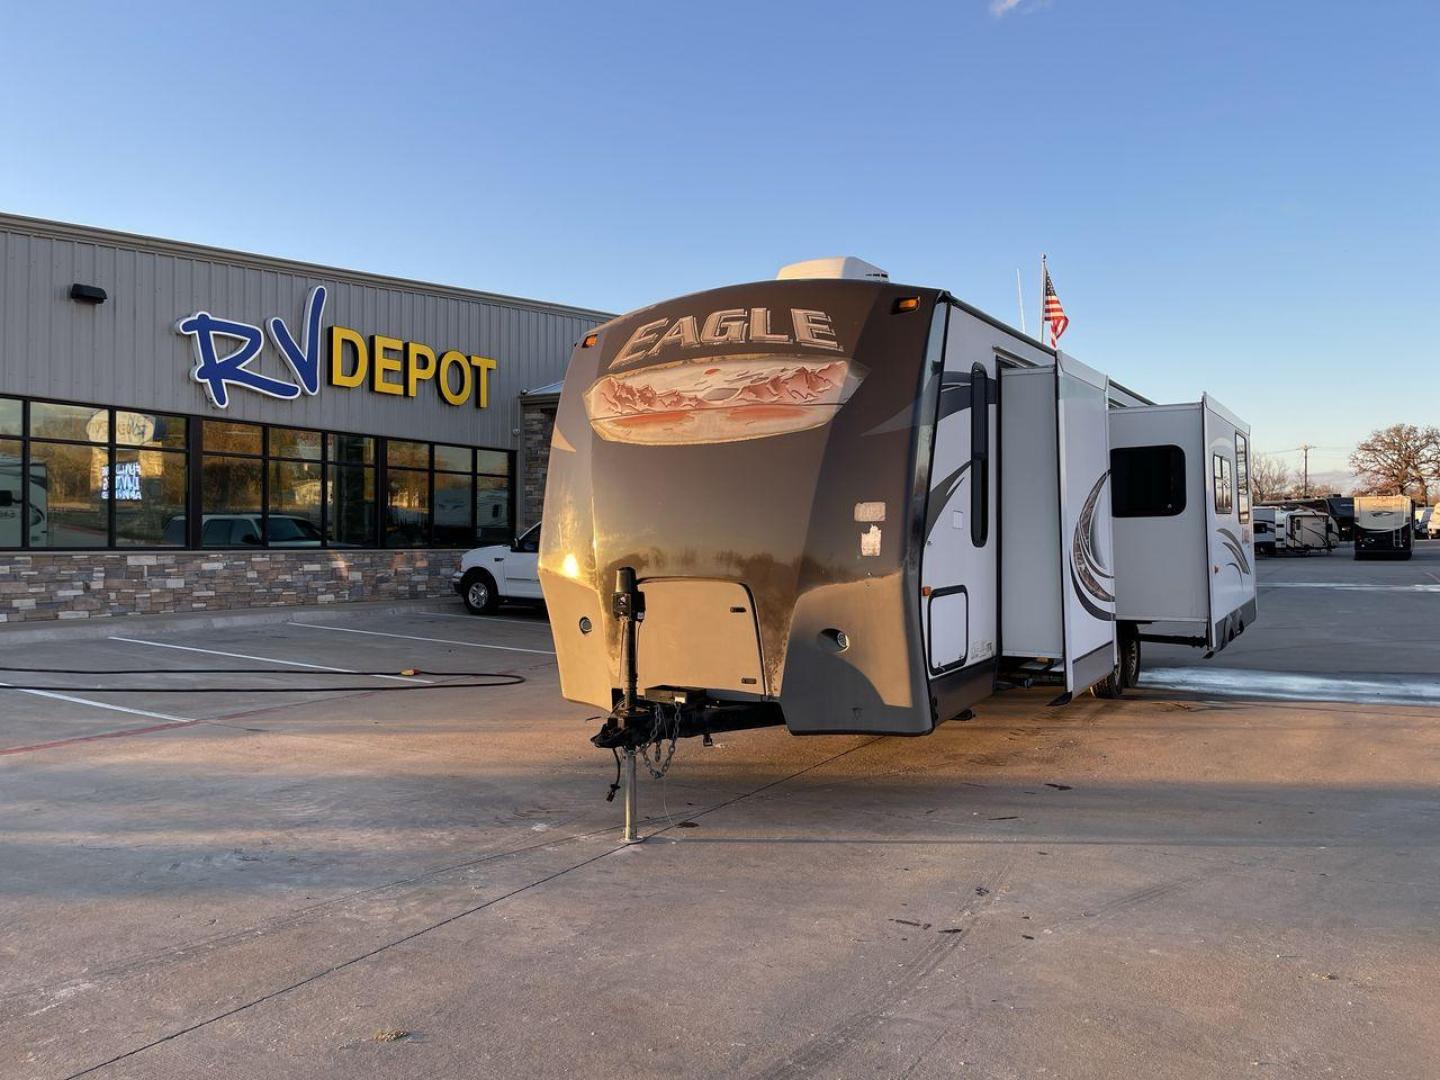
column 126, row 352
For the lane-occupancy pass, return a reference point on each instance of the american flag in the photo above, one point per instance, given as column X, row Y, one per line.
column 1054, row 313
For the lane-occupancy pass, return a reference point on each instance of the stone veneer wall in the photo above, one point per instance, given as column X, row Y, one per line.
column 88, row 585
column 539, row 422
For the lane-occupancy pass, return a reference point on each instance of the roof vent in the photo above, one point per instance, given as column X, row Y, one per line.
column 840, row 266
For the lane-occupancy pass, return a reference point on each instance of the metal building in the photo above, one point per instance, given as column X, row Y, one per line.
column 185, row 428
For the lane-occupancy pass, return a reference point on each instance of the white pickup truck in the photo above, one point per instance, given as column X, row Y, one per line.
column 496, row 572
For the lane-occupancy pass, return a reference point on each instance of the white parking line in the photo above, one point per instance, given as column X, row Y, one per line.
column 1296, row 686
column 103, row 705
column 416, row 637
column 266, row 660
column 1350, row 586
column 485, row 618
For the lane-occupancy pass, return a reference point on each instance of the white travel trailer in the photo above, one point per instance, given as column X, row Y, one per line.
column 1266, row 540
column 1301, row 531
column 1384, row 527
column 1184, row 541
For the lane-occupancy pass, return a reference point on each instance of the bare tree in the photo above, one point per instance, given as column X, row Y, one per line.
column 1270, row 480
column 1401, row 459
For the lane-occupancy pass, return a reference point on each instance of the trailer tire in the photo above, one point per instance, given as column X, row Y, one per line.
column 1128, row 647
column 1109, row 687
column 478, row 591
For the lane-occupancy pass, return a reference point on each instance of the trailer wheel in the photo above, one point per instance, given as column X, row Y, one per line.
column 479, row 592
column 1129, row 651
column 1109, row 687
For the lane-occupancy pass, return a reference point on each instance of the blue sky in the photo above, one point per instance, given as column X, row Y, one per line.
column 1237, row 197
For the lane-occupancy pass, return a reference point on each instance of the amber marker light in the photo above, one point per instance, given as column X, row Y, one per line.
column 590, row 339
column 907, row 303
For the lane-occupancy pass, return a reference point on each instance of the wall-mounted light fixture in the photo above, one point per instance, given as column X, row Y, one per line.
column 87, row 294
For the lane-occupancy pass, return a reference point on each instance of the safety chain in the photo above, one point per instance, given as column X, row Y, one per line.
column 660, row 767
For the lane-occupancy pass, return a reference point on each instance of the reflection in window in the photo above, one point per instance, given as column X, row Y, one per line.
column 68, row 509
column 452, row 509
column 407, row 508
column 294, row 519
column 492, row 462
column 351, row 449
column 232, row 438
column 452, row 458
column 1242, row 474
column 11, row 416
column 12, row 493
column 151, row 430
column 1224, row 499
column 230, row 489
column 492, row 510
column 294, row 443
column 408, row 455
column 148, row 487
column 82, row 423
column 350, row 496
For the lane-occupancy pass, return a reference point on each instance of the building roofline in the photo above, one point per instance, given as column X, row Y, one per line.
column 94, row 234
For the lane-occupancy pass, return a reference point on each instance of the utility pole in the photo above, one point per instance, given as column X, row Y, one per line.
column 1305, row 449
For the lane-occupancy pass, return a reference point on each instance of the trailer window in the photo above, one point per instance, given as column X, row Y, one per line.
column 1147, row 481
column 1242, row 475
column 1224, row 493
column 979, row 455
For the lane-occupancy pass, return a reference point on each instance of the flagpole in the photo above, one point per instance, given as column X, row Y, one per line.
column 1020, row 297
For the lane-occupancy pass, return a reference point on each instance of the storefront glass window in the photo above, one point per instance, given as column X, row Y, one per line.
column 452, row 509
column 407, row 455
column 294, row 443
column 68, row 509
column 492, row 510
column 294, row 519
column 407, row 508
column 351, row 449
column 80, row 423
column 150, row 430
column 350, row 506
column 492, row 462
column 230, row 499
column 452, row 458
column 148, row 487
column 12, row 492
column 221, row 437
column 119, row 477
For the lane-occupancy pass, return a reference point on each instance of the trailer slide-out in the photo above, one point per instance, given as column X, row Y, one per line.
column 844, row 505
column 1183, row 529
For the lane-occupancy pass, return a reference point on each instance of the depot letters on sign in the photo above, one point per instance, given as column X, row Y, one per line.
column 225, row 349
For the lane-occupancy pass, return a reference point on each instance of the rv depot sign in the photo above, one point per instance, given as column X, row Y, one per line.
column 225, row 349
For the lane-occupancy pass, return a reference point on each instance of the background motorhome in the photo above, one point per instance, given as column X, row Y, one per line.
column 1184, row 541
column 853, row 506
column 1384, row 527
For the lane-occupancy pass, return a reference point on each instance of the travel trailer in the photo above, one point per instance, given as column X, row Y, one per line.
column 1184, row 542
column 1384, row 527
column 11, row 503
column 844, row 505
column 1265, row 538
column 1301, row 531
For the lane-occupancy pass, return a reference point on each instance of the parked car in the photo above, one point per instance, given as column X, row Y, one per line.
column 243, row 530
column 487, row 575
